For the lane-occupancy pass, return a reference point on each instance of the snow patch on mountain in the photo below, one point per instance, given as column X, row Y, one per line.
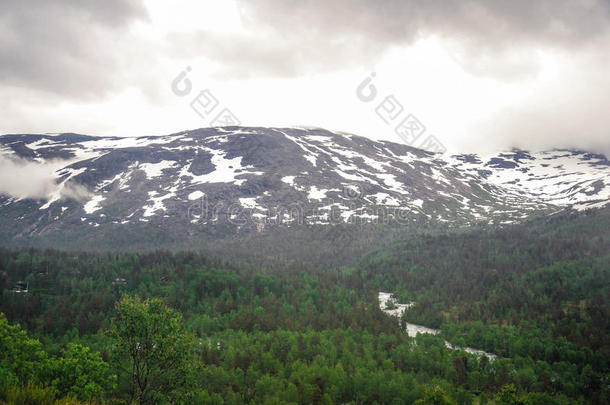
column 153, row 170
column 94, row 204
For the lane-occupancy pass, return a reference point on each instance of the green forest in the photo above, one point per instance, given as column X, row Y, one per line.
column 181, row 327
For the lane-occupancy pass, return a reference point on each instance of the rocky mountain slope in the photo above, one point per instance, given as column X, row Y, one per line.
column 258, row 178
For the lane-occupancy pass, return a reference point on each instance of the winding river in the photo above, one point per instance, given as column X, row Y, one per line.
column 413, row 329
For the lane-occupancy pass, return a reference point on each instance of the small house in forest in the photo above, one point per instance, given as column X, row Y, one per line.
column 20, row 287
column 119, row 281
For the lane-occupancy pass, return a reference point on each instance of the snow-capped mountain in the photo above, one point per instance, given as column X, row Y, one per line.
column 264, row 177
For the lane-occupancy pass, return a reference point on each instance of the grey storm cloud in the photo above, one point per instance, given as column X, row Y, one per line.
column 64, row 47
column 293, row 37
column 85, row 51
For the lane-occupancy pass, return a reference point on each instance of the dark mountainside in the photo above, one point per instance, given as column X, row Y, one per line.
column 237, row 189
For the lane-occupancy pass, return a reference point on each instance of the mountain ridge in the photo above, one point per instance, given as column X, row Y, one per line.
column 259, row 178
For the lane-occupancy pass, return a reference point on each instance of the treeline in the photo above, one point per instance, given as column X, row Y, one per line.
column 78, row 292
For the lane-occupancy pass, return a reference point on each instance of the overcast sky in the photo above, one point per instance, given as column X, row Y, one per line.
column 479, row 75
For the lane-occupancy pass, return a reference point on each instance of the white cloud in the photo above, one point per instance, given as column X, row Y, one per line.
column 21, row 178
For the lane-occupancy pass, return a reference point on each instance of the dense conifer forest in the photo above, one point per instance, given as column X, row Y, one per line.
column 179, row 327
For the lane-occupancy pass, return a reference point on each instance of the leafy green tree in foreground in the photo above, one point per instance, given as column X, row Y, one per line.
column 21, row 358
column 28, row 375
column 150, row 336
column 82, row 373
